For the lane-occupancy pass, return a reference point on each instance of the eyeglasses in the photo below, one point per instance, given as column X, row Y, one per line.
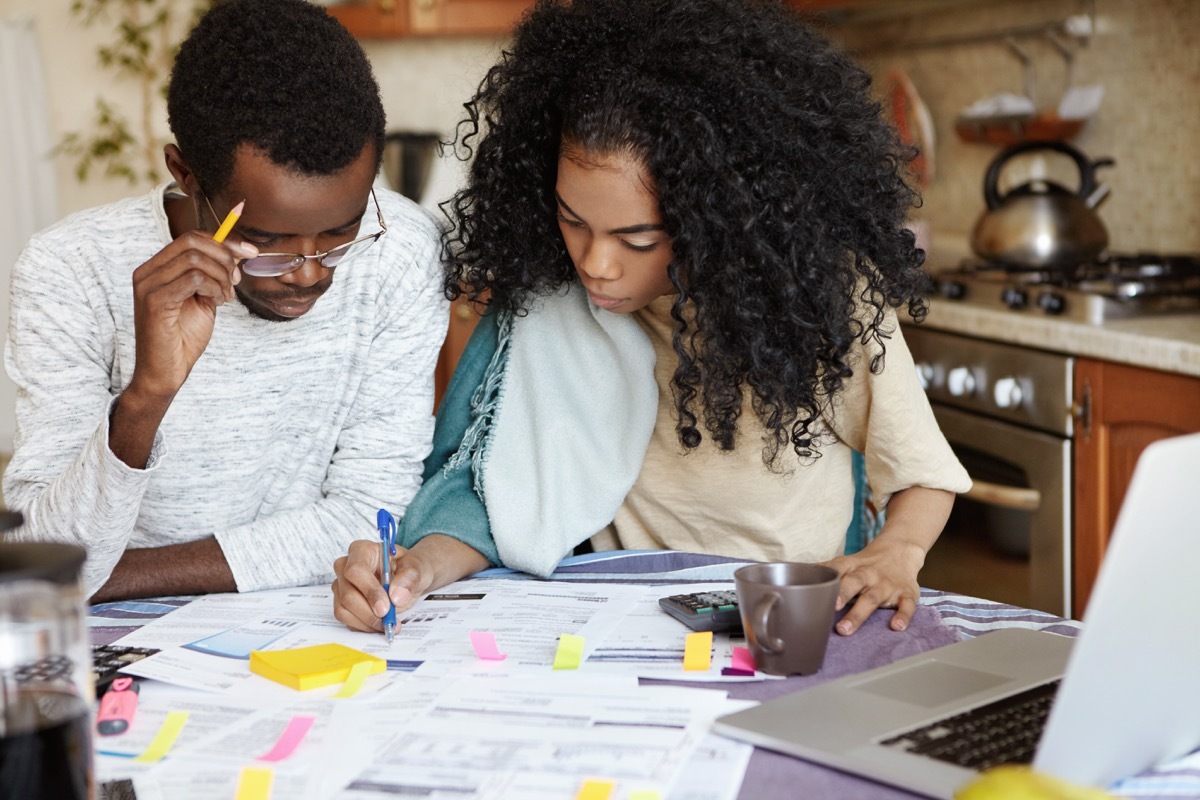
column 272, row 265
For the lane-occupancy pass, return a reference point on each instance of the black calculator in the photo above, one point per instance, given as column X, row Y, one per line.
column 705, row 611
column 108, row 658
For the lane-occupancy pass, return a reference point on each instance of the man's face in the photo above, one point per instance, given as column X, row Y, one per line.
column 289, row 212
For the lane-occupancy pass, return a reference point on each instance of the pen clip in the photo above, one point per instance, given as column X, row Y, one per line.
column 386, row 524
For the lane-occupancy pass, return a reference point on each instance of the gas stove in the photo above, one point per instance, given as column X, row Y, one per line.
column 1119, row 286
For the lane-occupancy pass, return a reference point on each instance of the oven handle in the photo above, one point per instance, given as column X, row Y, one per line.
column 997, row 494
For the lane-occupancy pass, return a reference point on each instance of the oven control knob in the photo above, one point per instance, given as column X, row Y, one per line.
column 1051, row 302
column 1008, row 393
column 1014, row 298
column 960, row 382
column 924, row 375
column 951, row 289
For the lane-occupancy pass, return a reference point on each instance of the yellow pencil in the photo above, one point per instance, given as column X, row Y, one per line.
column 230, row 220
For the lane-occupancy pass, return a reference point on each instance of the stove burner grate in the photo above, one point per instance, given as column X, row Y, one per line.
column 1119, row 286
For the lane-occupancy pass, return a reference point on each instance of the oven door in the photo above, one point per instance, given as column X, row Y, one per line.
column 1008, row 538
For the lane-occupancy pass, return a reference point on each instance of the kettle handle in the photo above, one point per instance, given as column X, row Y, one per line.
column 1087, row 169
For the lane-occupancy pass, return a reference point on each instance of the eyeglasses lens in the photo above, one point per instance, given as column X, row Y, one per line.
column 271, row 266
column 347, row 251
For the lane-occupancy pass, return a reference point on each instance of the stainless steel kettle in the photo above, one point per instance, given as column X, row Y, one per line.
column 1041, row 224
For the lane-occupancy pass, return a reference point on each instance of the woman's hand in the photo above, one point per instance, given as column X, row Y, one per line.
column 358, row 597
column 881, row 575
column 884, row 573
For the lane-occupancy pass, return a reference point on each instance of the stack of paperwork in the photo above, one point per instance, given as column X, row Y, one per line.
column 471, row 704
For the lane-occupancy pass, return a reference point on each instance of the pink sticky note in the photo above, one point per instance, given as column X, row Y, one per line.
column 290, row 739
column 484, row 643
column 742, row 659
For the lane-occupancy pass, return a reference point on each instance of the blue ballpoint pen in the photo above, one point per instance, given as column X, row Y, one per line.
column 387, row 540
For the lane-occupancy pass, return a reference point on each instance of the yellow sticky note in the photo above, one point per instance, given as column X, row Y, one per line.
column 594, row 790
column 312, row 667
column 354, row 681
column 254, row 783
column 570, row 651
column 697, row 651
column 644, row 794
column 165, row 738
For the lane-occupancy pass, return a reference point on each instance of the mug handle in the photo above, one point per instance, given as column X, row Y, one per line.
column 762, row 613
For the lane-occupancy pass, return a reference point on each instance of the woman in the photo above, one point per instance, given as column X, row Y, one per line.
column 686, row 220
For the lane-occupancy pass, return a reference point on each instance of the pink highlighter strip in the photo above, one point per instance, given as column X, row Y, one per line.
column 290, row 739
column 484, row 643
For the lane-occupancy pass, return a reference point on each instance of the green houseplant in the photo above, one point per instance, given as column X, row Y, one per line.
column 145, row 37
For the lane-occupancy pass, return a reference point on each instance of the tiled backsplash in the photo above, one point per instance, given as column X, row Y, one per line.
column 1144, row 53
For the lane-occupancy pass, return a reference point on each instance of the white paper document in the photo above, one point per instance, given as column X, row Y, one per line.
column 624, row 631
column 508, row 738
column 442, row 720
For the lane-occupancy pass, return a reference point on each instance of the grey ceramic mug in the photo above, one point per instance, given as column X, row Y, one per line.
column 787, row 612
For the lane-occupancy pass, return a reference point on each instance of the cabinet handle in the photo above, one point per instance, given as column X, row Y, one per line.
column 387, row 6
column 1082, row 411
column 997, row 494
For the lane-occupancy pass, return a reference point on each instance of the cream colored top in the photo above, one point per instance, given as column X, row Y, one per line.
column 728, row 503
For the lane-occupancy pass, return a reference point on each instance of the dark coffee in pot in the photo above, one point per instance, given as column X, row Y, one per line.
column 45, row 675
column 45, row 747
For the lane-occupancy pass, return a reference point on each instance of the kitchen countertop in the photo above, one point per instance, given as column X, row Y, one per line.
column 1168, row 342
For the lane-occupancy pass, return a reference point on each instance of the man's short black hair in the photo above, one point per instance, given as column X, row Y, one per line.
column 281, row 75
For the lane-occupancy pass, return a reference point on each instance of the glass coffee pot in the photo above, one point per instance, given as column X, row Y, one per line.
column 46, row 688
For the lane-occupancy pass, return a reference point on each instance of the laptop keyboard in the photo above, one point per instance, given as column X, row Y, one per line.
column 1003, row 732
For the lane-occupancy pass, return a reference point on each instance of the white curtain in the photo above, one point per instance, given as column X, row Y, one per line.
column 28, row 200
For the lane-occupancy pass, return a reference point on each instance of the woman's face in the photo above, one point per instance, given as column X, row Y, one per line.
column 610, row 221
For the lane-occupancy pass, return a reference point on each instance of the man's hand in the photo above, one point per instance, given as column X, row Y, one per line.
column 175, row 299
column 358, row 597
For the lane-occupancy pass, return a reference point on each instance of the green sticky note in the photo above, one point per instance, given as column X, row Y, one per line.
column 570, row 651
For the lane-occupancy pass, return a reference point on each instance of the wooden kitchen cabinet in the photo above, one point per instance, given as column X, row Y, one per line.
column 384, row 19
column 388, row 19
column 1120, row 411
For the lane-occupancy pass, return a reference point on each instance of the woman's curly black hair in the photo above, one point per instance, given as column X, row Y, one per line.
column 281, row 75
column 782, row 188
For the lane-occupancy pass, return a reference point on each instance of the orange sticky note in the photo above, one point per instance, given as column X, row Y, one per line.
column 697, row 651
column 595, row 790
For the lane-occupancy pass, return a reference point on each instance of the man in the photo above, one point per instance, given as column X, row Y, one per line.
column 205, row 416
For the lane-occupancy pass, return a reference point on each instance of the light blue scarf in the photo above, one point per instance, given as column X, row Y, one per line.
column 564, row 415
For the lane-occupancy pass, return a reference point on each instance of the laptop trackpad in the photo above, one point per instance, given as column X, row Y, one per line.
column 931, row 683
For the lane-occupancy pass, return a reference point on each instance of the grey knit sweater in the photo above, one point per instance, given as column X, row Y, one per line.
column 286, row 437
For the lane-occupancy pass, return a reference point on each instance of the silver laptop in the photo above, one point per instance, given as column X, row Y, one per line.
column 1127, row 698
